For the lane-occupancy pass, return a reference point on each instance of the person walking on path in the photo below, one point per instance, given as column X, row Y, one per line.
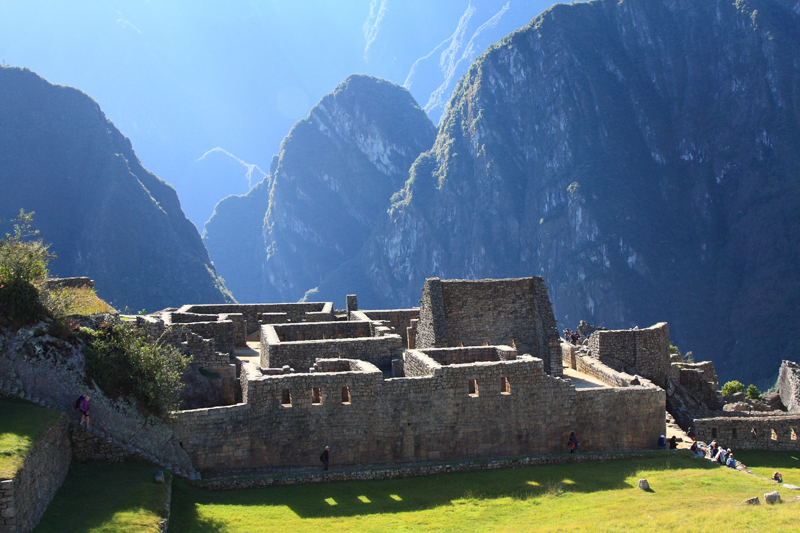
column 82, row 404
column 324, row 457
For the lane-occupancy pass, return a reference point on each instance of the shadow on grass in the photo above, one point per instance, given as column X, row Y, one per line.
column 100, row 496
column 414, row 494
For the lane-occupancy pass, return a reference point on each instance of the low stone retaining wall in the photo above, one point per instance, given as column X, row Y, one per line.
column 24, row 499
column 417, row 470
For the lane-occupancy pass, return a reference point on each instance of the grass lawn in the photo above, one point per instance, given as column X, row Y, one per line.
column 22, row 424
column 764, row 464
column 103, row 497
column 687, row 495
column 81, row 301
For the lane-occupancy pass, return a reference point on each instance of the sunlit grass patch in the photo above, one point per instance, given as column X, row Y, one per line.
column 80, row 301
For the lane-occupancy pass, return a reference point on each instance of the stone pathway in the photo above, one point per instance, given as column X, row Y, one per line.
column 684, row 441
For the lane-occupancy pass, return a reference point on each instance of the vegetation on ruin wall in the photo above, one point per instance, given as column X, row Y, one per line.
column 22, row 424
column 126, row 363
column 99, row 496
column 687, row 494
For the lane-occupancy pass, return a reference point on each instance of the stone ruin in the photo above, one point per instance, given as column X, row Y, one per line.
column 476, row 371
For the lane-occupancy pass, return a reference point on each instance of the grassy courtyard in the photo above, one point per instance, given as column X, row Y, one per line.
column 687, row 495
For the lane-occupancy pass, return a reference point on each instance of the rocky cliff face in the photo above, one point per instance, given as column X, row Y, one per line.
column 334, row 176
column 641, row 155
column 106, row 216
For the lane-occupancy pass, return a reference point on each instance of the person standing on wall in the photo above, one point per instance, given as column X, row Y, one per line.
column 324, row 457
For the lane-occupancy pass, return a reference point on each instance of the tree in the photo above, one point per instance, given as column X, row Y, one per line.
column 732, row 387
column 23, row 272
column 753, row 393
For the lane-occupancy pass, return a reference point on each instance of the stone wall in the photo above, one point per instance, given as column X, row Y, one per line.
column 751, row 432
column 498, row 408
column 398, row 320
column 301, row 355
column 470, row 354
column 88, row 445
column 513, row 312
column 789, row 386
column 629, row 418
column 24, row 499
column 284, row 312
column 641, row 351
column 71, row 283
column 592, row 367
column 311, row 331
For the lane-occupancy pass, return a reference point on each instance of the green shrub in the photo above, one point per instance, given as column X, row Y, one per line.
column 752, row 393
column 732, row 387
column 23, row 273
column 124, row 362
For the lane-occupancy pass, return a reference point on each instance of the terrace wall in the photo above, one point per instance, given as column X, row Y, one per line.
column 777, row 432
column 24, row 499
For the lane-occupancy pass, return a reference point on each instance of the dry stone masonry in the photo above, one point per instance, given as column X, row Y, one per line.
column 482, row 377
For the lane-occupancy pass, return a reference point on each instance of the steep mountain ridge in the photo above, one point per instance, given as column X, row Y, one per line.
column 106, row 216
column 334, row 176
column 640, row 155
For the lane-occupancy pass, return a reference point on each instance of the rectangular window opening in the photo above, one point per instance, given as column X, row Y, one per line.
column 713, row 433
column 793, row 433
column 754, row 432
column 346, row 395
column 773, row 435
column 287, row 398
column 316, row 396
column 473, row 388
column 505, row 386
column 733, row 433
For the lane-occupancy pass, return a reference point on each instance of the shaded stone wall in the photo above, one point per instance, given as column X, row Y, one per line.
column 643, row 351
column 630, row 418
column 24, row 499
column 445, row 415
column 751, row 432
column 592, row 367
column 514, row 312
column 789, row 386
column 301, row 355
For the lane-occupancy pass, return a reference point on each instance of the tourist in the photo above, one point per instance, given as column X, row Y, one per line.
column 82, row 404
column 673, row 443
column 712, row 450
column 324, row 457
column 777, row 477
column 662, row 443
column 690, row 433
column 731, row 462
column 573, row 443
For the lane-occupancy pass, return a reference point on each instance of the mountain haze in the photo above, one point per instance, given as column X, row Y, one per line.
column 328, row 186
column 105, row 215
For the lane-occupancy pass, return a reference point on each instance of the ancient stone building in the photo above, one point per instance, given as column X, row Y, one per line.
column 480, row 376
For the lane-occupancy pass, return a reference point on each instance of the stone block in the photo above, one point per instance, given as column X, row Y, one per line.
column 772, row 497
